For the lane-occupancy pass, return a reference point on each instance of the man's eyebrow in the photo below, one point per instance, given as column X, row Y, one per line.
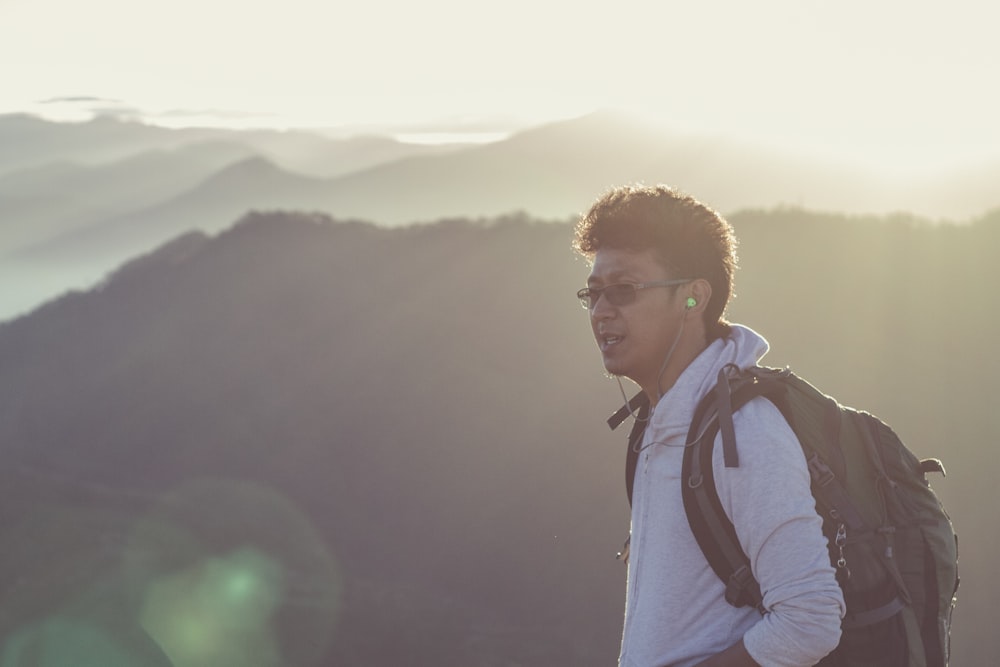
column 618, row 276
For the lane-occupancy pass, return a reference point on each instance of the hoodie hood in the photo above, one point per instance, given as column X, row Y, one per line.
column 672, row 415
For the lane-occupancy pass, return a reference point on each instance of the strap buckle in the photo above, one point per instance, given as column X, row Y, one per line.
column 819, row 471
column 739, row 585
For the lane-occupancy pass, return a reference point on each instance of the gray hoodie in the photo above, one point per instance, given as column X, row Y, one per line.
column 675, row 611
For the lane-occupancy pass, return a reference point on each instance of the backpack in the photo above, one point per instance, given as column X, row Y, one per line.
column 891, row 542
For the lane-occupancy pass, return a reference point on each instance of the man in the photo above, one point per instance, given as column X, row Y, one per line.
column 661, row 276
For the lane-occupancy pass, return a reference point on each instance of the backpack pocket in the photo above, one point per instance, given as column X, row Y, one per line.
column 874, row 632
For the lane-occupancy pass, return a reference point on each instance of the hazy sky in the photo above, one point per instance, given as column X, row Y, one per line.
column 896, row 82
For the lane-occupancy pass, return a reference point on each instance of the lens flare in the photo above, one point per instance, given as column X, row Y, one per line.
column 230, row 574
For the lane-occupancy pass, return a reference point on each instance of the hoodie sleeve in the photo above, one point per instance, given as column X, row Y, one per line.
column 769, row 502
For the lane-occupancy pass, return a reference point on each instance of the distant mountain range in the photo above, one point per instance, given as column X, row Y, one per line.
column 30, row 142
column 396, row 438
column 77, row 199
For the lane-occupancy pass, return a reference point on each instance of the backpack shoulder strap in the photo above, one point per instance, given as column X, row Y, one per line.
column 639, row 406
column 712, row 529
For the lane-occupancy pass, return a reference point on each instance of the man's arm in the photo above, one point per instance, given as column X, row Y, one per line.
column 771, row 506
column 734, row 656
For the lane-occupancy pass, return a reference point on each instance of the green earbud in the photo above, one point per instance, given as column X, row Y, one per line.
column 691, row 303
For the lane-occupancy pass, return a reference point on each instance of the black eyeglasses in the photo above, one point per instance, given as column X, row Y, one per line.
column 621, row 294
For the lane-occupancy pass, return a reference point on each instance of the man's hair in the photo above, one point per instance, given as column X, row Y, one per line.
column 689, row 238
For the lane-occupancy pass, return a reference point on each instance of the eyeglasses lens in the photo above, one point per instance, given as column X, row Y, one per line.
column 620, row 294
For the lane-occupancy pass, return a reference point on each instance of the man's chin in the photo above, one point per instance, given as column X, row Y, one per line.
column 620, row 371
column 615, row 368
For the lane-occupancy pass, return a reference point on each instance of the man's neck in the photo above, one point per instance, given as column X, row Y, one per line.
column 688, row 349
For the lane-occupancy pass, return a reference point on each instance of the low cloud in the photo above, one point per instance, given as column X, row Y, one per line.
column 79, row 99
column 225, row 114
column 86, row 107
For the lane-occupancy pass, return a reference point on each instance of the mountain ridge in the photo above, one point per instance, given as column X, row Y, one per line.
column 552, row 171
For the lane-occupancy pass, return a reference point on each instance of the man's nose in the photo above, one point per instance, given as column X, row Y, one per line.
column 602, row 308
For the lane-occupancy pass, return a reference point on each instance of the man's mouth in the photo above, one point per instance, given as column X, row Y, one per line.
column 609, row 340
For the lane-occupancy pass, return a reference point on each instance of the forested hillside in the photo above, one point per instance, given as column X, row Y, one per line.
column 334, row 443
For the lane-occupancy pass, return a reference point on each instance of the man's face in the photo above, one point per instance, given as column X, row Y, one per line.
column 634, row 338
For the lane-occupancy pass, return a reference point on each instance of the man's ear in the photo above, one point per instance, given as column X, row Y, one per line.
column 696, row 295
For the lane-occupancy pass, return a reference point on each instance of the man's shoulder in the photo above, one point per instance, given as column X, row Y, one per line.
column 761, row 430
